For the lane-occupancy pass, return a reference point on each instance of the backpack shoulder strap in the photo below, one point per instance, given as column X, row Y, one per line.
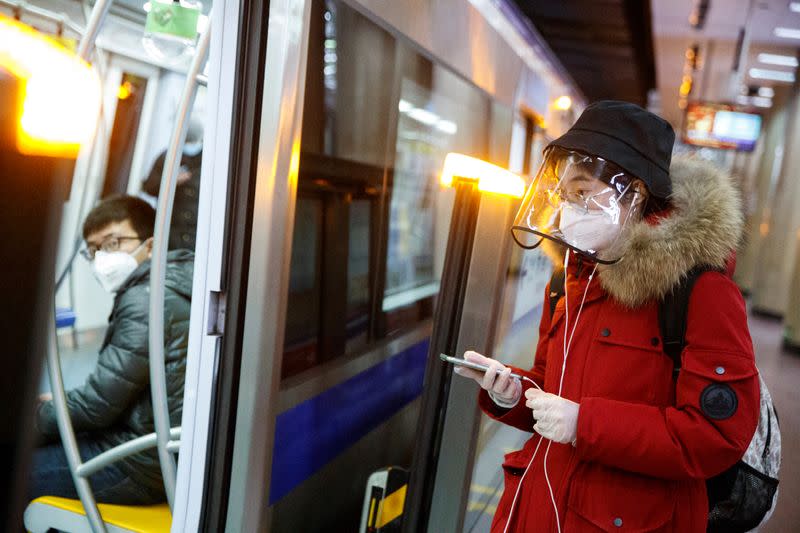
column 556, row 289
column 672, row 315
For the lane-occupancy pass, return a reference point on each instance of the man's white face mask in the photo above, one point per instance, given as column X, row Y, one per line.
column 192, row 148
column 112, row 268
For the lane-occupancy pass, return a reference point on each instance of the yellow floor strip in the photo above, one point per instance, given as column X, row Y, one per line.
column 481, row 506
column 483, row 489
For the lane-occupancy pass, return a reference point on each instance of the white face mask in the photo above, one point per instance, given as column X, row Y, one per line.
column 112, row 268
column 591, row 231
column 192, row 148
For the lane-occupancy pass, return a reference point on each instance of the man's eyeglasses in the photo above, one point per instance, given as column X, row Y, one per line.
column 109, row 244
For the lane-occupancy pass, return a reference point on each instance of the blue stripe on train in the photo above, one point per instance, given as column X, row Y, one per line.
column 314, row 432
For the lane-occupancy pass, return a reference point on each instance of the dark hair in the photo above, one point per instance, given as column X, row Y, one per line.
column 120, row 208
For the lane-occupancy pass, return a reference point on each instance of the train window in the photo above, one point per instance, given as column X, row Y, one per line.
column 302, row 316
column 358, row 261
column 437, row 113
column 370, row 156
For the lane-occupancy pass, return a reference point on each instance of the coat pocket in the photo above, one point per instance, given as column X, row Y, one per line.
column 717, row 366
column 718, row 382
column 514, row 465
column 612, row 500
column 626, row 365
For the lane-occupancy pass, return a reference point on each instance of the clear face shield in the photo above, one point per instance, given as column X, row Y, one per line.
column 581, row 201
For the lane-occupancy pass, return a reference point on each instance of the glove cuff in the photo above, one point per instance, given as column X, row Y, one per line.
column 504, row 402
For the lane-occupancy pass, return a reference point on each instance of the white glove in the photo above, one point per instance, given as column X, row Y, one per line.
column 504, row 390
column 556, row 417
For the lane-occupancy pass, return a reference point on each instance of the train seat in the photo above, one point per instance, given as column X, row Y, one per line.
column 65, row 317
column 64, row 514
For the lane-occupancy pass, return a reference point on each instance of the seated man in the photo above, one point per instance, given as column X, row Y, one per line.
column 113, row 405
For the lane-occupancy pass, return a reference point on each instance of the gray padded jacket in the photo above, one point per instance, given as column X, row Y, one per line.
column 114, row 405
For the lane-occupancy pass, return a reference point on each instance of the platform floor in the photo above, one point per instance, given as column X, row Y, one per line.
column 781, row 371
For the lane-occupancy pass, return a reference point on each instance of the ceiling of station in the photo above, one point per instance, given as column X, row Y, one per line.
column 605, row 45
column 717, row 43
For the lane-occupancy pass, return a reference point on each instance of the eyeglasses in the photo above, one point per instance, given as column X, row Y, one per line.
column 608, row 198
column 109, row 244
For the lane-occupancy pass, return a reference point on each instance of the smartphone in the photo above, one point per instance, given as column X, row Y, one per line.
column 469, row 364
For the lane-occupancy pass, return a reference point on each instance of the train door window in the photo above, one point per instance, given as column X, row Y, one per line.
column 342, row 165
column 130, row 101
column 303, row 311
column 358, row 273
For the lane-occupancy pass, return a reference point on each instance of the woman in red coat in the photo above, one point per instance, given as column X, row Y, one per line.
column 617, row 444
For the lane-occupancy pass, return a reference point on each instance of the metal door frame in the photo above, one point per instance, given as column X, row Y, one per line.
column 202, row 355
column 228, row 409
column 270, row 254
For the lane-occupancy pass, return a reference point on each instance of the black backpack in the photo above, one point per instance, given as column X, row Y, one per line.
column 744, row 496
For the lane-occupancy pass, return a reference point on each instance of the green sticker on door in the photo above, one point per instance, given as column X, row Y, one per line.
column 172, row 18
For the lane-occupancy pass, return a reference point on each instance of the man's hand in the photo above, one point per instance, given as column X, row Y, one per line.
column 556, row 417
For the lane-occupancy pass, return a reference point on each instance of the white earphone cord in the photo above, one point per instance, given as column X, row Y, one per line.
column 567, row 346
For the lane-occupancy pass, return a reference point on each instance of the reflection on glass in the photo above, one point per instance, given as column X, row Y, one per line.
column 358, row 274
column 302, row 313
column 430, row 124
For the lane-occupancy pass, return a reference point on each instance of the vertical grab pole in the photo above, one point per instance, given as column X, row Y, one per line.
column 65, row 427
column 158, row 266
column 99, row 12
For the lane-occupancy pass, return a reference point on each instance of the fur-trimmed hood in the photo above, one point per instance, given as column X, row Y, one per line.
column 703, row 228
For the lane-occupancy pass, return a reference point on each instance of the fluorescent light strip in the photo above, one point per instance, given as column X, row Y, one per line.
column 794, row 6
column 775, row 59
column 766, row 92
column 760, row 101
column 787, row 33
column 774, row 75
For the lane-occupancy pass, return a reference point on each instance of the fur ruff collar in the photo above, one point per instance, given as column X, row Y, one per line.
column 704, row 227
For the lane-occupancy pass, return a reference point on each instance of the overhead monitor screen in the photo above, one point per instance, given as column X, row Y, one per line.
column 721, row 126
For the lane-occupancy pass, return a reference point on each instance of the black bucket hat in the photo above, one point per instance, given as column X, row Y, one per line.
column 624, row 133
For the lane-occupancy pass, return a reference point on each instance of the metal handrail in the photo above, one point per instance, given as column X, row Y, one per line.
column 158, row 266
column 65, row 428
column 121, row 451
column 99, row 12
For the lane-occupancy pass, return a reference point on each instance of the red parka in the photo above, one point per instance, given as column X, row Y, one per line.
column 645, row 444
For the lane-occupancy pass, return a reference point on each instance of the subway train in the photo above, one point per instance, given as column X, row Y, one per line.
column 299, row 149
column 320, row 240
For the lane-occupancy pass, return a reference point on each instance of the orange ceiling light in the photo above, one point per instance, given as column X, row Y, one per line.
column 490, row 178
column 60, row 93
